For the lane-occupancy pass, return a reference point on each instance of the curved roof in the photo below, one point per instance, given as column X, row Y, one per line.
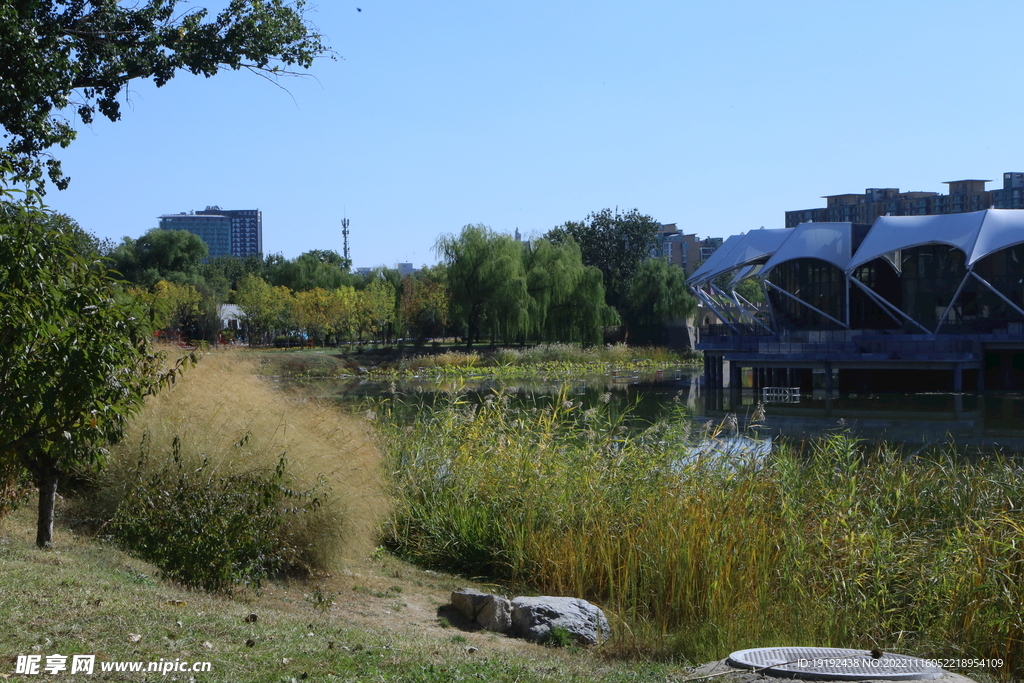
column 977, row 234
column 756, row 244
column 719, row 254
column 826, row 241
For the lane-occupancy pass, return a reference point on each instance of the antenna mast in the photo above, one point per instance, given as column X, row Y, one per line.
column 344, row 234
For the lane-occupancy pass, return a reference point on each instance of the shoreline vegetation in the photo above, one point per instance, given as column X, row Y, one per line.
column 450, row 362
column 699, row 548
column 693, row 547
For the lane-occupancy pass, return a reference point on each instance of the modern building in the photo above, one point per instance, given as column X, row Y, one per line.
column 908, row 302
column 246, row 229
column 686, row 251
column 227, row 232
column 964, row 196
column 215, row 230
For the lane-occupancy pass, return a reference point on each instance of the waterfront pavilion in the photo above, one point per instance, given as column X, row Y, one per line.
column 939, row 296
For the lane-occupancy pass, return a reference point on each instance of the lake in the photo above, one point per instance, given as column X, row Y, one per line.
column 973, row 422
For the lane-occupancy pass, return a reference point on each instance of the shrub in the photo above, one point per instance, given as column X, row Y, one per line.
column 213, row 531
column 15, row 486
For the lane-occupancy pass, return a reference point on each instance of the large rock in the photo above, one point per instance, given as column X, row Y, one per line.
column 533, row 619
column 490, row 612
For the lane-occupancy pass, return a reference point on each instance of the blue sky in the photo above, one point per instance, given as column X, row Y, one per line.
column 718, row 117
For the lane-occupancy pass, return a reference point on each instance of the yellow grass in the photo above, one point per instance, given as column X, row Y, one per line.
column 222, row 410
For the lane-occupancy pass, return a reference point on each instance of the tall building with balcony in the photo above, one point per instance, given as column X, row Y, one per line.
column 227, row 232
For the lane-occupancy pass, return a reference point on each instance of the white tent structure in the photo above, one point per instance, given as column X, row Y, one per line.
column 744, row 253
column 829, row 242
column 977, row 234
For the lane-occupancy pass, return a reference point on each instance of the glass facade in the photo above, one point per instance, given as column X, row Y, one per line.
column 214, row 230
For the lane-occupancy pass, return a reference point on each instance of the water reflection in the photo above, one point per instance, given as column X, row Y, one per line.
column 972, row 422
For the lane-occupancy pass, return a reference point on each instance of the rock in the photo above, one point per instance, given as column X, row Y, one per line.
column 496, row 615
column 533, row 619
column 469, row 602
column 490, row 612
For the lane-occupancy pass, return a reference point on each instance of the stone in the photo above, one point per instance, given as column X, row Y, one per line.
column 490, row 612
column 534, row 618
column 469, row 602
column 496, row 615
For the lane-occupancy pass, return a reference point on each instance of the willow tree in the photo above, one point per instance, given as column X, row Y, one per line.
column 657, row 293
column 486, row 282
column 567, row 299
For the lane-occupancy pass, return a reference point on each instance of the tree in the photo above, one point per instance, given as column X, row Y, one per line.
column 486, row 282
column 617, row 243
column 75, row 357
column 172, row 305
column 160, row 255
column 424, row 307
column 262, row 304
column 657, row 294
column 316, row 311
column 81, row 55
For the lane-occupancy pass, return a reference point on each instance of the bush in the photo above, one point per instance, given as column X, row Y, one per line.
column 15, row 486
column 213, row 531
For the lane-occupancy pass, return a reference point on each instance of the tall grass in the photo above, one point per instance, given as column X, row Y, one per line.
column 223, row 423
column 699, row 553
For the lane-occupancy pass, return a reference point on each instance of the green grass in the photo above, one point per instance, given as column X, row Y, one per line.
column 829, row 544
column 88, row 597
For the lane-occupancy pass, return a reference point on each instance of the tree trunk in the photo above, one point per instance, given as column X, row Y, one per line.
column 47, row 481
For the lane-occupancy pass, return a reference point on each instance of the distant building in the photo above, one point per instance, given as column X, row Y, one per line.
column 685, row 251
column 226, row 232
column 246, row 229
column 964, row 196
column 214, row 230
column 406, row 269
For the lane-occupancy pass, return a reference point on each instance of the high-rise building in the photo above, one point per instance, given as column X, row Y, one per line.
column 246, row 229
column 234, row 232
column 215, row 230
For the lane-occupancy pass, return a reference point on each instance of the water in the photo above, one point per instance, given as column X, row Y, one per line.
column 972, row 422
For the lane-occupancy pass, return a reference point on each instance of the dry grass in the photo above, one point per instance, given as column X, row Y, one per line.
column 223, row 411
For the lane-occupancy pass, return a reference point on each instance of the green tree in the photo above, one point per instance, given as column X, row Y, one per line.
column 75, row 357
column 263, row 305
column 616, row 243
column 308, row 271
column 567, row 299
column 486, row 283
column 58, row 56
column 173, row 255
column 424, row 307
column 657, row 294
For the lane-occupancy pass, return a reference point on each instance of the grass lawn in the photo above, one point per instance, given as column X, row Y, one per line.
column 375, row 620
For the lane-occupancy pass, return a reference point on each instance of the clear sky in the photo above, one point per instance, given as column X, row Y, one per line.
column 717, row 116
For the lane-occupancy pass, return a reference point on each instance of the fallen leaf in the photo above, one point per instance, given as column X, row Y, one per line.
column 251, row 619
column 134, row 637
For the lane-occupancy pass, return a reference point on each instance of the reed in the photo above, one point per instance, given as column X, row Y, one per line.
column 701, row 551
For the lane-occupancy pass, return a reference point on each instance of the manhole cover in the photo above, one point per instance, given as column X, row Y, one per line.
column 834, row 664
